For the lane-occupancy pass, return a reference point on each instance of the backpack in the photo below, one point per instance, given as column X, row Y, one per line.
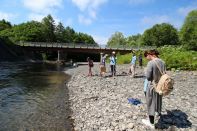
column 91, row 64
column 165, row 84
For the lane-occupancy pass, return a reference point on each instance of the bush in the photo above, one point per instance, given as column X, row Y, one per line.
column 178, row 58
column 174, row 57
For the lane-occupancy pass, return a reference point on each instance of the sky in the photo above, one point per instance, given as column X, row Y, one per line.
column 100, row 18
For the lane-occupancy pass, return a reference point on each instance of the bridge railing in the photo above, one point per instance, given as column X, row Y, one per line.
column 82, row 45
column 131, row 47
column 57, row 45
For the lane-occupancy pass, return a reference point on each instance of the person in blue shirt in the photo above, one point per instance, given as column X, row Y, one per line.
column 133, row 65
column 113, row 63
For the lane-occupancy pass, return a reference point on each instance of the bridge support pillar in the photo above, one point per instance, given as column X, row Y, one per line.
column 101, row 55
column 58, row 55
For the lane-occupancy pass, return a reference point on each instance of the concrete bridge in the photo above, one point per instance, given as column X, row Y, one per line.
column 78, row 48
column 72, row 47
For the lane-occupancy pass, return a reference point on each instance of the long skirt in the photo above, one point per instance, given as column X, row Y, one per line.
column 153, row 100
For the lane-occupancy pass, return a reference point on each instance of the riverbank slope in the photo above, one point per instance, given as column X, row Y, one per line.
column 100, row 103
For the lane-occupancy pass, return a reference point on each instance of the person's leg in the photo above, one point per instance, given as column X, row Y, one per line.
column 101, row 73
column 151, row 118
column 133, row 73
column 150, row 101
column 90, row 71
column 129, row 70
column 114, row 69
column 133, row 70
column 158, row 106
column 111, row 69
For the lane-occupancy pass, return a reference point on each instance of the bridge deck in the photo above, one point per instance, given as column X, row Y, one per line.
column 72, row 47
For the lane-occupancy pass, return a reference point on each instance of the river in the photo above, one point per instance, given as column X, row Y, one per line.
column 33, row 97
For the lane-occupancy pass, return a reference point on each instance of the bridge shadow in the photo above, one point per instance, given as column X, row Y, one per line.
column 173, row 118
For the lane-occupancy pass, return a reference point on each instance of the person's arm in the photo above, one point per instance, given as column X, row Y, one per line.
column 149, row 71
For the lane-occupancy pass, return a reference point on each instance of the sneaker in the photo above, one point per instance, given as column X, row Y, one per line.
column 147, row 123
column 157, row 114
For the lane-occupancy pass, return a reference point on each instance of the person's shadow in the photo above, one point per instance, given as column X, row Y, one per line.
column 173, row 118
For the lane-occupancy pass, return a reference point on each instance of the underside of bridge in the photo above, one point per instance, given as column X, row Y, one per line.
column 81, row 57
column 76, row 54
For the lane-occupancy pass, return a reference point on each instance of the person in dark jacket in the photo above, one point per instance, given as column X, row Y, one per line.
column 90, row 65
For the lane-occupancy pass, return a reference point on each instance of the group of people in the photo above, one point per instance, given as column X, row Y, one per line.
column 152, row 76
column 112, row 59
column 112, row 63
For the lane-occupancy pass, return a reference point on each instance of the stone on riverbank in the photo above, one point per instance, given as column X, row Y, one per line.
column 100, row 103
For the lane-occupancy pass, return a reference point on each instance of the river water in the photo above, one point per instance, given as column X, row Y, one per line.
column 33, row 97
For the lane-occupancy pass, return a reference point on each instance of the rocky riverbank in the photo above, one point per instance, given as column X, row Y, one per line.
column 101, row 103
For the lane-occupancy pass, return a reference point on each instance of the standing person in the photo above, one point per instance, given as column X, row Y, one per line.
column 113, row 63
column 153, row 99
column 140, row 60
column 90, row 65
column 133, row 65
column 102, row 64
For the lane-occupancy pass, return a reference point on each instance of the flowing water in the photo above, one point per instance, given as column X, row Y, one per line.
column 33, row 97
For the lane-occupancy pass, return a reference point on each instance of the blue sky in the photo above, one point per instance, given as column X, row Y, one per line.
column 100, row 18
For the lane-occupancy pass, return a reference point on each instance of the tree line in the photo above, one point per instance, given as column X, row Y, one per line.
column 162, row 34
column 158, row 35
column 44, row 31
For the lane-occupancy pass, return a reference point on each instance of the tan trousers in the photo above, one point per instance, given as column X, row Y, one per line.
column 132, row 70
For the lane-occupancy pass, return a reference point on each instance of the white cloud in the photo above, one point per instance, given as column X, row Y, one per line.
column 41, row 6
column 138, row 2
column 6, row 16
column 147, row 22
column 154, row 20
column 36, row 17
column 68, row 22
column 86, row 4
column 89, row 7
column 84, row 20
column 185, row 10
column 92, row 14
column 101, row 40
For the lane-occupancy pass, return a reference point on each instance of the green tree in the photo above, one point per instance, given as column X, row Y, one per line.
column 69, row 34
column 49, row 28
column 4, row 25
column 160, row 34
column 59, row 32
column 30, row 31
column 83, row 38
column 188, row 32
column 116, row 39
column 134, row 40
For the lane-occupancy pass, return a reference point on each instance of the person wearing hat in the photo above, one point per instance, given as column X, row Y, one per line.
column 113, row 63
column 90, row 66
column 102, row 64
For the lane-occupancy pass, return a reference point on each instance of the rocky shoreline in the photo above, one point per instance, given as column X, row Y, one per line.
column 101, row 103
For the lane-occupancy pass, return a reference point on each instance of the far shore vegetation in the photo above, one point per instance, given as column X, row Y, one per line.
column 178, row 48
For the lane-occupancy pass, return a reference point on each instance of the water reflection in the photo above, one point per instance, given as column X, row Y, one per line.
column 33, row 97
